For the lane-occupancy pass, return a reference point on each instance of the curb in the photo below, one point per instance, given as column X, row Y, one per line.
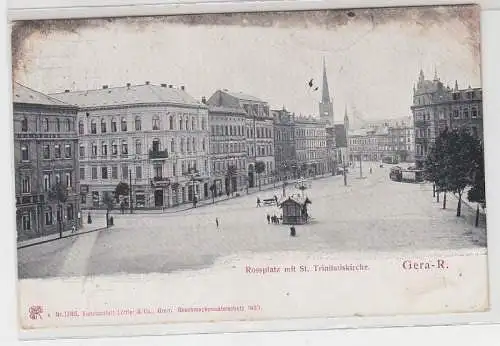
column 63, row 237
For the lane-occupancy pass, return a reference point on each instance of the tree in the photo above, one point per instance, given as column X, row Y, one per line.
column 231, row 172
column 59, row 194
column 437, row 165
column 260, row 167
column 477, row 193
column 108, row 202
column 122, row 189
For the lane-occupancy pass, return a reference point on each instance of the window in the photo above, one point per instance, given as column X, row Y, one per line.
column 124, row 147
column 114, row 172
column 124, row 172
column 203, row 144
column 104, row 149
column 474, row 131
column 26, row 222
column 46, row 152
column 69, row 212
column 137, row 123
column 194, row 145
column 186, row 124
column 124, row 124
column 24, row 125
column 94, row 150
column 158, row 172
column 188, row 145
column 156, row 122
column 69, row 179
column 46, row 182
column 93, row 127
column 156, row 145
column 82, row 173
column 180, row 123
column 103, row 126
column 474, row 112
column 138, row 147
column 83, row 199
column 172, row 146
column 67, row 151
column 58, row 125
column 94, row 173
column 466, row 113
column 81, row 128
column 68, row 125
column 46, row 124
column 48, row 216
column 24, row 152
column 57, row 151
column 58, row 178
column 171, row 122
column 104, row 172
column 25, row 184
column 138, row 172
column 113, row 125
column 114, row 149
column 193, row 124
column 203, row 124
column 182, row 145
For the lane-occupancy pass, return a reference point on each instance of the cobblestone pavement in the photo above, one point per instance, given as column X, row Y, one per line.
column 370, row 214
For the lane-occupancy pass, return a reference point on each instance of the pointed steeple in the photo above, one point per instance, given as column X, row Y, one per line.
column 345, row 113
column 456, row 85
column 436, row 78
column 325, row 92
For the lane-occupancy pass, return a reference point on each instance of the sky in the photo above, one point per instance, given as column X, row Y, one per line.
column 372, row 65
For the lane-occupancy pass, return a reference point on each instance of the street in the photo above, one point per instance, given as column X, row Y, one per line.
column 369, row 215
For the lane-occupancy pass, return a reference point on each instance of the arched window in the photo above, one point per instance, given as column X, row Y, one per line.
column 138, row 123
column 171, row 122
column 124, row 125
column 58, row 125
column 124, row 147
column 193, row 124
column 172, row 146
column 24, row 152
column 113, row 125
column 94, row 150
column 93, row 127
column 104, row 149
column 138, row 147
column 103, row 126
column 46, row 124
column 24, row 125
column 180, row 123
column 81, row 128
column 48, row 216
column 188, row 145
column 182, row 145
column 186, row 124
column 68, row 125
column 156, row 122
column 114, row 149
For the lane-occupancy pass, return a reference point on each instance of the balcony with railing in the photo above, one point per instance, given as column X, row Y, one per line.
column 158, row 154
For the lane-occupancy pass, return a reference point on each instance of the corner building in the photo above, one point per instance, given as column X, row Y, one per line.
column 45, row 144
column 153, row 137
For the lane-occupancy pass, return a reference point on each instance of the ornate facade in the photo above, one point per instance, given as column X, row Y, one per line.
column 154, row 138
column 45, row 154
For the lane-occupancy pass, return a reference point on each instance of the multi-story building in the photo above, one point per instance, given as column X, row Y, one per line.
column 228, row 149
column 341, row 142
column 155, row 138
column 45, row 146
column 259, row 137
column 436, row 107
column 310, row 146
column 364, row 144
column 284, row 143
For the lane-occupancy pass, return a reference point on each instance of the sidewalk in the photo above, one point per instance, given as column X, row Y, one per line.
column 479, row 234
column 96, row 225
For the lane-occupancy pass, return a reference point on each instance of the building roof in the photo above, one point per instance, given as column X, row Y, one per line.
column 224, row 109
column 242, row 96
column 295, row 198
column 127, row 95
column 358, row 132
column 23, row 94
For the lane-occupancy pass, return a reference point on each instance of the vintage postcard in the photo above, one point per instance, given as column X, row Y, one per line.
column 246, row 167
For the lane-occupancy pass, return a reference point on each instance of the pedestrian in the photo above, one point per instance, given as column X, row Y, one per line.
column 217, row 222
column 268, row 218
column 276, row 199
column 370, row 170
column 258, row 202
column 73, row 229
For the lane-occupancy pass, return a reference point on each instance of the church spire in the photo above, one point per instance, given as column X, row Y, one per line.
column 326, row 93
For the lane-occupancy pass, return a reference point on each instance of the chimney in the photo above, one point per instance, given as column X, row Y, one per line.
column 104, row 86
column 170, row 86
column 163, row 85
column 128, row 85
column 66, row 91
column 147, row 82
column 182, row 87
column 204, row 100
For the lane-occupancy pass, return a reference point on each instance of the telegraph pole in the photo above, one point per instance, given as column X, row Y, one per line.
column 360, row 166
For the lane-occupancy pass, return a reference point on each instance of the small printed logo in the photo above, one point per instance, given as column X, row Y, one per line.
column 35, row 312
